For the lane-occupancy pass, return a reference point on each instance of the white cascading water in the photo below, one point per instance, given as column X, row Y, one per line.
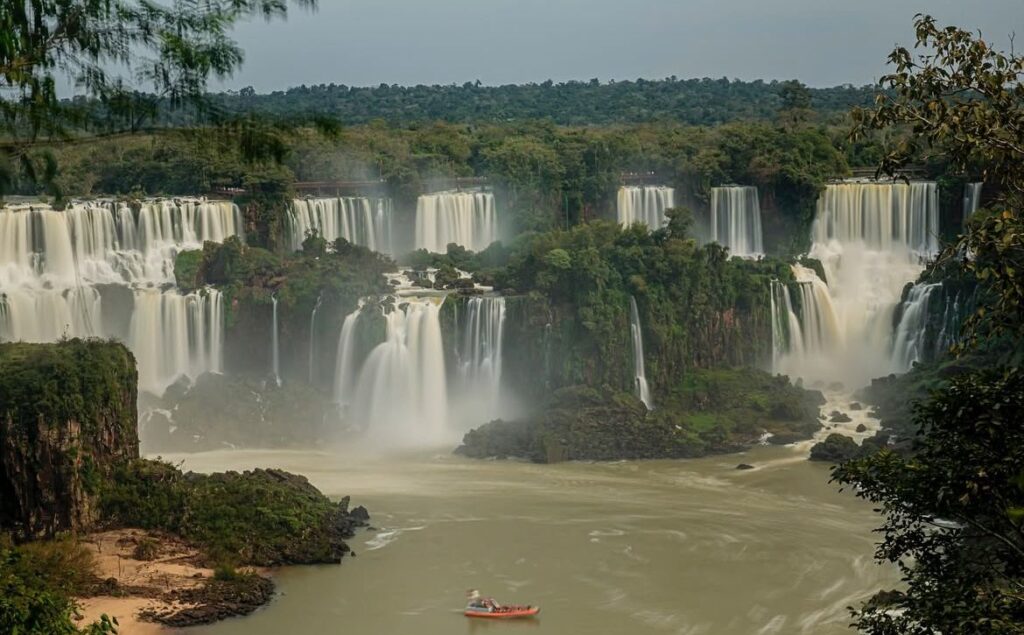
column 275, row 353
column 107, row 242
column 643, row 392
column 402, row 392
column 57, row 268
column 908, row 346
column 345, row 363
column 872, row 239
column 174, row 335
column 359, row 220
column 736, row 220
column 469, row 219
column 644, row 204
column 480, row 362
column 972, row 199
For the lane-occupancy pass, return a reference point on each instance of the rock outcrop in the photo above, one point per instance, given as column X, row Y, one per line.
column 67, row 418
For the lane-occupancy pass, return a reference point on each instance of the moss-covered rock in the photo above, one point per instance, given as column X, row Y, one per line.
column 836, row 448
column 710, row 412
column 261, row 518
column 67, row 419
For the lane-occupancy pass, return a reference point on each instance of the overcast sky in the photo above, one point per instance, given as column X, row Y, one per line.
column 820, row 42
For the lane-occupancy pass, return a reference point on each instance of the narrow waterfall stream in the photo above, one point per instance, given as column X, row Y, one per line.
column 312, row 339
column 275, row 354
column 643, row 392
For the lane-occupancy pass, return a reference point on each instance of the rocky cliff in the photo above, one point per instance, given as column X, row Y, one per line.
column 67, row 417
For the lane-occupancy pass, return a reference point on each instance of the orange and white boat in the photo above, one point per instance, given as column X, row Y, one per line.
column 488, row 608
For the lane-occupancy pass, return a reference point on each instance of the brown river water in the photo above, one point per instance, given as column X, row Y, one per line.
column 685, row 547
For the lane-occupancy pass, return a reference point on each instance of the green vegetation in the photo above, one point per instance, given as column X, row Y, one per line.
column 708, row 412
column 261, row 518
column 170, row 50
column 695, row 101
column 37, row 582
column 569, row 310
column 67, row 417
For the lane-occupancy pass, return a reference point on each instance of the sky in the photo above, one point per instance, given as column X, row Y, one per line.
column 819, row 42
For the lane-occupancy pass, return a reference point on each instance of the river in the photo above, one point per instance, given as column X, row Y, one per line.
column 688, row 547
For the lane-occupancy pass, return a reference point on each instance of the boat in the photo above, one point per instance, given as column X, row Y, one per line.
column 501, row 612
column 488, row 608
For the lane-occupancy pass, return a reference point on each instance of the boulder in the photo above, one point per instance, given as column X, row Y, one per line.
column 836, row 448
column 744, row 466
column 840, row 417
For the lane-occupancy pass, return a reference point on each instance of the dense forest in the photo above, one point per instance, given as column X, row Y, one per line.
column 691, row 101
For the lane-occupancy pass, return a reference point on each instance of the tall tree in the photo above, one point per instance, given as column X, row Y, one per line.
column 128, row 60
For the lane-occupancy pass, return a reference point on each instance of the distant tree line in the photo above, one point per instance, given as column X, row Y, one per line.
column 692, row 101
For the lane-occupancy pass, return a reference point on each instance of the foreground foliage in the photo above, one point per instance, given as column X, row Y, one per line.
column 954, row 512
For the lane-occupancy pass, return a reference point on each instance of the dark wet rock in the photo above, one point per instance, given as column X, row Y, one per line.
column 840, row 417
column 836, row 448
column 744, row 466
column 856, row 405
column 874, row 414
column 861, row 427
column 360, row 515
column 215, row 601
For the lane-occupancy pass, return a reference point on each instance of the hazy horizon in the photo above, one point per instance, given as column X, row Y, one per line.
column 409, row 42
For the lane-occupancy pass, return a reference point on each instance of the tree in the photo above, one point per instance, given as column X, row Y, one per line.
column 953, row 513
column 954, row 508
column 171, row 51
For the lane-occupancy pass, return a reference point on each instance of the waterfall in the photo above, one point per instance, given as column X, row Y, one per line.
column 644, row 204
column 275, row 355
column 912, row 330
column 96, row 269
column 104, row 243
column 359, row 220
column 401, row 394
column 174, row 335
column 468, row 219
column 480, row 362
column 46, row 315
column 872, row 239
column 642, row 390
column 345, row 367
column 736, row 220
column 312, row 338
column 972, row 199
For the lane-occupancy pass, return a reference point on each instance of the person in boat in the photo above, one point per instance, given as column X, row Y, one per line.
column 478, row 603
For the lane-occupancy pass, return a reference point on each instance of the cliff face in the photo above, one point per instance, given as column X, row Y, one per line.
column 67, row 417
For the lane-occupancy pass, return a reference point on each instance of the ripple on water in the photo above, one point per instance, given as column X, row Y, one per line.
column 385, row 537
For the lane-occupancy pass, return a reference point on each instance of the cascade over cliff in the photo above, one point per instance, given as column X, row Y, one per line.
column 67, row 417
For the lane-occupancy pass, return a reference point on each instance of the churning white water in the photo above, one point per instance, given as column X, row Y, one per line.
column 99, row 268
column 872, row 239
column 736, row 220
column 402, row 394
column 469, row 219
column 644, row 204
column 359, row 220
column 643, row 392
column 909, row 343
